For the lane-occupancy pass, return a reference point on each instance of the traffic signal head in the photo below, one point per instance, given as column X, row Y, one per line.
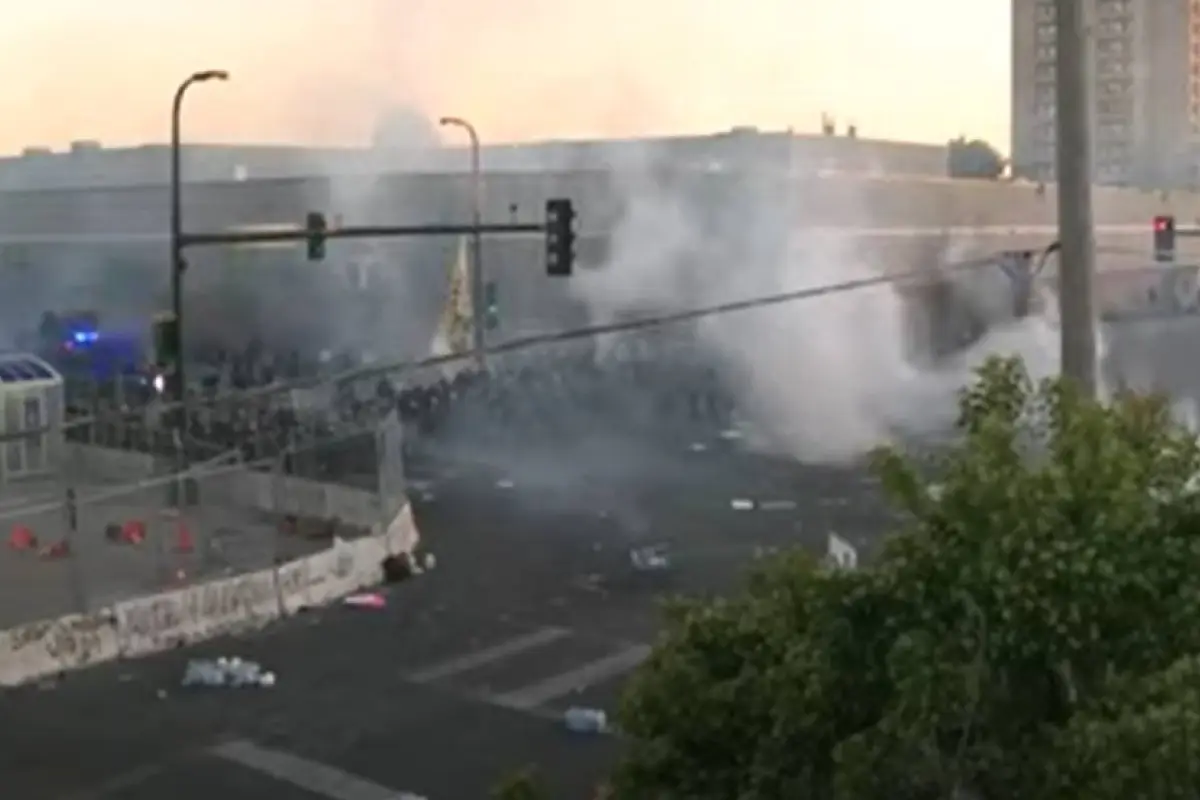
column 1164, row 238
column 560, row 237
column 316, row 227
column 167, row 343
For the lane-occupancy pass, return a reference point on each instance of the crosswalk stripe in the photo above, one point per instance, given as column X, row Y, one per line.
column 312, row 776
column 479, row 658
column 538, row 694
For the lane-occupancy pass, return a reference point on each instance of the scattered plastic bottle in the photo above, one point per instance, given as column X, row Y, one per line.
column 650, row 559
column 585, row 720
column 203, row 673
column 227, row 672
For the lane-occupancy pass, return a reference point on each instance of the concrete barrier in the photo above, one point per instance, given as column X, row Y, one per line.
column 49, row 647
column 152, row 623
column 345, row 567
column 172, row 619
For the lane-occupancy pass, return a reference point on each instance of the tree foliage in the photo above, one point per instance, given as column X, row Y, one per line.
column 974, row 158
column 524, row 784
column 1030, row 632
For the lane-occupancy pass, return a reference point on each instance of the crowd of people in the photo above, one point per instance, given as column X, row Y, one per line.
column 549, row 400
column 247, row 402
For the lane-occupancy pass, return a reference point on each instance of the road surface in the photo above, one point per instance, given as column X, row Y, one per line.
column 532, row 608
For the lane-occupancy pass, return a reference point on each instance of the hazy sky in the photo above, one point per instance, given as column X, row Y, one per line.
column 321, row 71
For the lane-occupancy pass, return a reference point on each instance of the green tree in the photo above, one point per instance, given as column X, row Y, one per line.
column 520, row 785
column 974, row 158
column 1030, row 632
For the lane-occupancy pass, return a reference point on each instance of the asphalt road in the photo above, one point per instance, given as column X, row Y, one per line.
column 533, row 607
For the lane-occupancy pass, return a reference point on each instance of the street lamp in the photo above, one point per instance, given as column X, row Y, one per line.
column 477, row 310
column 177, row 378
column 178, row 264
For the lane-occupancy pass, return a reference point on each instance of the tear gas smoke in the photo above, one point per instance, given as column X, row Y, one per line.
column 822, row 379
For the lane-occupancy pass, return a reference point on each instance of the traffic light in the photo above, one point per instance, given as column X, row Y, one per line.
column 1164, row 238
column 316, row 227
column 491, row 306
column 560, row 237
column 166, row 341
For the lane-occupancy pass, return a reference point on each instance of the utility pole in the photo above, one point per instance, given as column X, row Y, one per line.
column 1077, row 260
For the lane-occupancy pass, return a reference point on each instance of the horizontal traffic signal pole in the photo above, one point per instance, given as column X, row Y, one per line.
column 301, row 234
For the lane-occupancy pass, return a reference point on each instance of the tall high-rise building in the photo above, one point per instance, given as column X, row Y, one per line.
column 1144, row 71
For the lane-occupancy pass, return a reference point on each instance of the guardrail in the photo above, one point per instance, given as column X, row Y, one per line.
column 161, row 621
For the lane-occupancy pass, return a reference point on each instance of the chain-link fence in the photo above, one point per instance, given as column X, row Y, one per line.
column 110, row 522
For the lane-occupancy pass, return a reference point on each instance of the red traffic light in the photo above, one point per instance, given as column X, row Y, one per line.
column 1164, row 223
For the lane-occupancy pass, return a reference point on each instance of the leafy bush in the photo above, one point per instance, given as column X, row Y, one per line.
column 520, row 785
column 1032, row 632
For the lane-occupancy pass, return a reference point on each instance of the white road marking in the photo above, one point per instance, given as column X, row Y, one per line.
column 479, row 658
column 538, row 694
column 312, row 776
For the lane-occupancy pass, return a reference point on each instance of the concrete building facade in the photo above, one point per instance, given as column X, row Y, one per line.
column 1144, row 68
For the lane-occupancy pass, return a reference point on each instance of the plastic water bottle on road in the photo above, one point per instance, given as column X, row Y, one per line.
column 586, row 720
column 227, row 672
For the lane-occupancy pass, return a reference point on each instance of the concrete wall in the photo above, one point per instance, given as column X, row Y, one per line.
column 840, row 200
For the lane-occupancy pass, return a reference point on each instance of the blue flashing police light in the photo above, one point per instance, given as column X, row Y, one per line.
column 85, row 337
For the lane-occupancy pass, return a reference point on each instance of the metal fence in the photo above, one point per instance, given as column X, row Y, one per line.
column 115, row 518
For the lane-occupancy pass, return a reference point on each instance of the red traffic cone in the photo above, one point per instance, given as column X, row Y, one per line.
column 183, row 540
column 60, row 549
column 22, row 538
column 133, row 532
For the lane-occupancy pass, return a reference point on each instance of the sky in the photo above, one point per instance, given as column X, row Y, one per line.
column 324, row 72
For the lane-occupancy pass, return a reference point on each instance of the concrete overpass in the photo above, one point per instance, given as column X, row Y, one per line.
column 820, row 200
column 889, row 222
column 909, row 219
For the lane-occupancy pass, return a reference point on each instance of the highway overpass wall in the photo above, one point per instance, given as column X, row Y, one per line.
column 891, row 224
column 820, row 200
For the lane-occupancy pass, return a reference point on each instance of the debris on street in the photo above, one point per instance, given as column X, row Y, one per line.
column 650, row 559
column 586, row 720
column 373, row 600
column 232, row 673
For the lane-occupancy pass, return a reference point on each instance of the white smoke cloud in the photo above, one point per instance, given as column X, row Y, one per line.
column 383, row 296
column 825, row 378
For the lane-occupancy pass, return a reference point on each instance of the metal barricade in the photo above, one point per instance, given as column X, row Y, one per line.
column 77, row 546
column 114, row 517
